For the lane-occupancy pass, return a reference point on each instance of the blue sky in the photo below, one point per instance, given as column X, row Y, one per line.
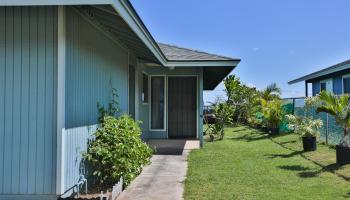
column 276, row 40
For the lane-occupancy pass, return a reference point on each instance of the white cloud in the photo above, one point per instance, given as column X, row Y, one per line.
column 256, row 49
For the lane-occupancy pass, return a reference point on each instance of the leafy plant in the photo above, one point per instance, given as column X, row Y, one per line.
column 338, row 107
column 272, row 111
column 304, row 126
column 117, row 151
column 112, row 109
column 223, row 113
column 243, row 98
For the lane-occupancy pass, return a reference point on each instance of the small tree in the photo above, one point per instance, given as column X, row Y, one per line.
column 223, row 113
column 272, row 111
column 338, row 107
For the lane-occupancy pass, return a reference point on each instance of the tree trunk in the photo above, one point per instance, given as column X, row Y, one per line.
column 346, row 131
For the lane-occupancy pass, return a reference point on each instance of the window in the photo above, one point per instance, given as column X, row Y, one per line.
column 346, row 85
column 157, row 103
column 323, row 86
column 144, row 88
column 326, row 85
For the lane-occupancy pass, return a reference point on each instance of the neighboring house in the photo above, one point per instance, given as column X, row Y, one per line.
column 59, row 58
column 335, row 78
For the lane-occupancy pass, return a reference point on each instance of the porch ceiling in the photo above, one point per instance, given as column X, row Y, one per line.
column 212, row 76
column 111, row 21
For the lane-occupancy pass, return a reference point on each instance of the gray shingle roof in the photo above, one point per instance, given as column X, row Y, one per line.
column 175, row 53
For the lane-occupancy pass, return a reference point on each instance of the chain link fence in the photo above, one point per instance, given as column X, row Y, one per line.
column 330, row 133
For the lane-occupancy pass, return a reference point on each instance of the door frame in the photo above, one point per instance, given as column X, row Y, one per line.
column 197, row 99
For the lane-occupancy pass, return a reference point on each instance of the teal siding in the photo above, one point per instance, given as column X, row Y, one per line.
column 28, row 66
column 76, row 142
column 94, row 64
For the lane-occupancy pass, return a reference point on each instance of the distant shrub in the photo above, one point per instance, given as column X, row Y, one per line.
column 117, row 151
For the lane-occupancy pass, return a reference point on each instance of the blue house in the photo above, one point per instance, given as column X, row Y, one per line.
column 335, row 78
column 59, row 58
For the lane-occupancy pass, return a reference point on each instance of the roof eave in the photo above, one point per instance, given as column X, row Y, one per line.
column 319, row 74
column 203, row 63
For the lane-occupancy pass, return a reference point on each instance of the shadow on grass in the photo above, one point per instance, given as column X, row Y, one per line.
column 332, row 168
column 294, row 167
column 289, row 155
column 251, row 137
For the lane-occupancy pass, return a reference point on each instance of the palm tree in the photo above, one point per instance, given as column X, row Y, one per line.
column 339, row 107
column 271, row 92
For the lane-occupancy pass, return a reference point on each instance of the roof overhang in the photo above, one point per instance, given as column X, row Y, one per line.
column 217, row 69
column 321, row 73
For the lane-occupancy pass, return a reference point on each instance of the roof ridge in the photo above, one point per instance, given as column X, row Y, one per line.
column 195, row 50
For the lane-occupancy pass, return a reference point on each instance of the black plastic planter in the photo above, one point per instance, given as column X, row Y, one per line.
column 274, row 131
column 343, row 155
column 309, row 143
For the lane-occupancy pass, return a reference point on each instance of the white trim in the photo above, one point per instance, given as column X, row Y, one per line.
column 197, row 101
column 150, row 102
column 342, row 81
column 61, row 73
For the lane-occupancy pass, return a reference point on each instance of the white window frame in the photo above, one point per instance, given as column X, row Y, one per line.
column 150, row 102
column 342, row 81
column 330, row 81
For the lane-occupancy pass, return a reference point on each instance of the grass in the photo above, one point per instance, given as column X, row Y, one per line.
column 248, row 164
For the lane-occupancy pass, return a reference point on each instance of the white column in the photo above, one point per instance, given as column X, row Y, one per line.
column 61, row 73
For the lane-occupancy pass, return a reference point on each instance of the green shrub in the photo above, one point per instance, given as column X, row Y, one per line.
column 273, row 112
column 117, row 151
column 223, row 113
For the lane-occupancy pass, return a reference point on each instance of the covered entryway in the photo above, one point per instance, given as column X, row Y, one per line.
column 182, row 107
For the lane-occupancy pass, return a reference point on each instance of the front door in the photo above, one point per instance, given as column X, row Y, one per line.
column 182, row 107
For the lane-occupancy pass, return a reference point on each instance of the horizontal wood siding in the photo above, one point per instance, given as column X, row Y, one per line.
column 76, row 142
column 94, row 64
column 28, row 67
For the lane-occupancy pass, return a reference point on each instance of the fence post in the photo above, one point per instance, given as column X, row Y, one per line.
column 293, row 106
column 327, row 127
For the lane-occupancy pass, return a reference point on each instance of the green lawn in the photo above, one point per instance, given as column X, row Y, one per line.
column 248, row 164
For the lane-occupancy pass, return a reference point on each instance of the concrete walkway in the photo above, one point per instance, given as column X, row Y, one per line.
column 164, row 177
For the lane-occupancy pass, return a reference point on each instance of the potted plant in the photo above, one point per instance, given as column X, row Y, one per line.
column 272, row 111
column 307, row 128
column 339, row 107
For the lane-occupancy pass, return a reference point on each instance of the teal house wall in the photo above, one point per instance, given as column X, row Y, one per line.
column 337, row 84
column 94, row 65
column 28, row 71
column 56, row 64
